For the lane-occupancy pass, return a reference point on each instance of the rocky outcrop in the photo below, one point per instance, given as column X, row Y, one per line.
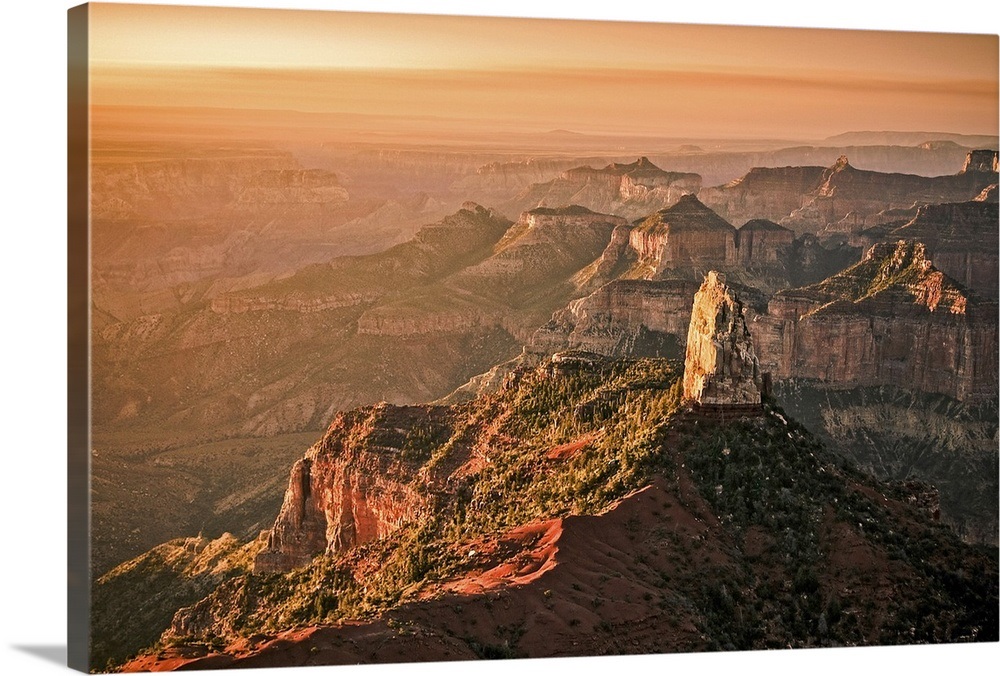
column 622, row 318
column 546, row 247
column 962, row 240
column 842, row 199
column 720, row 365
column 989, row 194
column 409, row 321
column 846, row 191
column 239, row 304
column 892, row 319
column 547, row 223
column 761, row 242
column 763, row 192
column 686, row 235
column 357, row 484
column 630, row 190
column 502, row 180
column 983, row 161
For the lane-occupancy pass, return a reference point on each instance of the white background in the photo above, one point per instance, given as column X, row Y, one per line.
column 33, row 325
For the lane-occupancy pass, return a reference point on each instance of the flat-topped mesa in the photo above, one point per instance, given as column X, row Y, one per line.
column 686, row 234
column 631, row 190
column 572, row 215
column 759, row 242
column 721, row 371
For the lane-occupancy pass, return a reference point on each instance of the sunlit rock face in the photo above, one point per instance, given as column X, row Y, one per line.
column 891, row 319
column 720, row 366
column 686, row 235
column 354, row 486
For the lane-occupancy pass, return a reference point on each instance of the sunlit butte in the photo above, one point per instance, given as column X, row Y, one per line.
column 470, row 73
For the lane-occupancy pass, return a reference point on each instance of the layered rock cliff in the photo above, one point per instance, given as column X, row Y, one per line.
column 686, row 235
column 847, row 197
column 186, row 187
column 622, row 318
column 962, row 240
column 764, row 192
column 891, row 319
column 761, row 243
column 720, row 365
column 842, row 199
column 355, row 485
column 500, row 181
column 630, row 190
column 544, row 249
column 982, row 161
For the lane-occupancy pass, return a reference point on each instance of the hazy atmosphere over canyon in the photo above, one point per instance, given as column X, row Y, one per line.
column 597, row 337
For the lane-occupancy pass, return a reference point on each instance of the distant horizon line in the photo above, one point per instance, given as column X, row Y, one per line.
column 548, row 131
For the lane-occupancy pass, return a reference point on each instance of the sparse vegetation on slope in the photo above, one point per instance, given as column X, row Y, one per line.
column 755, row 535
column 134, row 603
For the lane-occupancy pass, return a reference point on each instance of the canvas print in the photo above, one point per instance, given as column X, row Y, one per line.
column 406, row 338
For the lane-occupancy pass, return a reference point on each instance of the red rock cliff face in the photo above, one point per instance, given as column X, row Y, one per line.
column 891, row 319
column 760, row 242
column 354, row 486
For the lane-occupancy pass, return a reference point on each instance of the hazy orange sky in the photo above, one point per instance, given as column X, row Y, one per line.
column 536, row 75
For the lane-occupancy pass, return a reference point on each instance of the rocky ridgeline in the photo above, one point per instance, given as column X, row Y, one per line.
column 237, row 304
column 841, row 199
column 846, row 196
column 186, row 188
column 406, row 322
column 545, row 248
column 892, row 319
column 720, row 365
column 354, row 486
column 293, row 186
column 629, row 190
column 962, row 239
column 499, row 180
column 622, row 318
column 763, row 192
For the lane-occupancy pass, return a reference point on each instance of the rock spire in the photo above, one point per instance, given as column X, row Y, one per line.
column 720, row 366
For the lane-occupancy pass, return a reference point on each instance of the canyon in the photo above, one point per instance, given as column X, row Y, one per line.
column 192, row 343
column 569, row 320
